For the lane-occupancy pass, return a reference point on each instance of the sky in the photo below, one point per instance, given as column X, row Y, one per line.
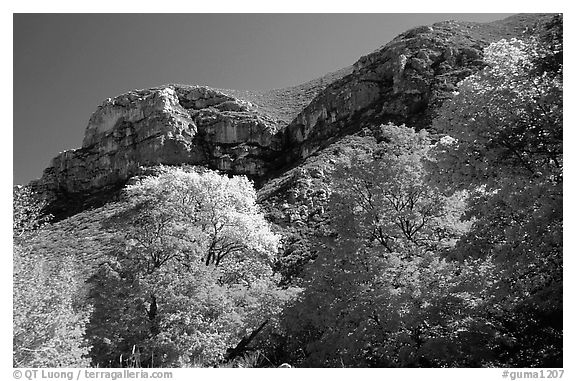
column 65, row 65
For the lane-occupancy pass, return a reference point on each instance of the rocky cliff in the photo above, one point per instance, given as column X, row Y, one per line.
column 167, row 125
column 404, row 81
column 260, row 133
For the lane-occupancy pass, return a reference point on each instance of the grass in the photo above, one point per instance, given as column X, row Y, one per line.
column 285, row 104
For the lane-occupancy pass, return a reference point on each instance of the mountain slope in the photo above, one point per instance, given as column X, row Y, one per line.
column 286, row 103
column 263, row 134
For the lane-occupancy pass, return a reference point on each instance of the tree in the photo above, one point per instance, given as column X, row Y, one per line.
column 49, row 317
column 503, row 144
column 381, row 293
column 27, row 211
column 188, row 216
column 504, row 122
column 194, row 275
column 384, row 197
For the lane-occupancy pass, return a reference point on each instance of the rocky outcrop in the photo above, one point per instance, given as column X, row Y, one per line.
column 166, row 125
column 404, row 81
column 401, row 83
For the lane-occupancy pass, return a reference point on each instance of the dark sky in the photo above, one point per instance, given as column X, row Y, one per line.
column 65, row 65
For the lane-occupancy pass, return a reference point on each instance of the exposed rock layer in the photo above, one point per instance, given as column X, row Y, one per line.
column 166, row 125
column 402, row 82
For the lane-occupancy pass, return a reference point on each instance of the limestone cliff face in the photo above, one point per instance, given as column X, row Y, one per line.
column 402, row 82
column 166, row 125
column 405, row 81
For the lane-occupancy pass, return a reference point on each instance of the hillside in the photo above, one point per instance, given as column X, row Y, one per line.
column 286, row 103
column 259, row 134
column 427, row 274
column 301, row 169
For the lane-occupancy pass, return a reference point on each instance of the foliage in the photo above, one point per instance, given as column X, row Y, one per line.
column 27, row 211
column 503, row 122
column 48, row 322
column 48, row 316
column 380, row 293
column 364, row 308
column 412, row 251
column 193, row 277
column 297, row 203
column 214, row 217
column 382, row 198
column 504, row 145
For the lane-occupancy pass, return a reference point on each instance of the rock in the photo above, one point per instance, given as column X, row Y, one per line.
column 166, row 125
column 403, row 82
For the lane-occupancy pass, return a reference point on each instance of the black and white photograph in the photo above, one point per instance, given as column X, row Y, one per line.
column 287, row 190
